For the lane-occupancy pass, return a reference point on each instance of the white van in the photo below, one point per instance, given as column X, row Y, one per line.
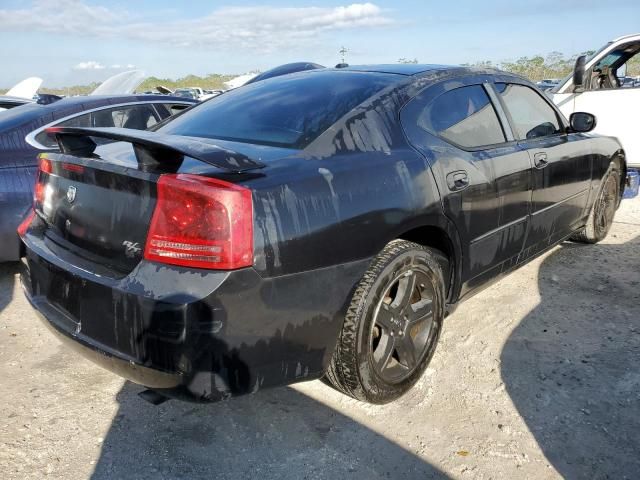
column 600, row 85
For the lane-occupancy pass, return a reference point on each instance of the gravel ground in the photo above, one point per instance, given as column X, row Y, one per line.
column 536, row 377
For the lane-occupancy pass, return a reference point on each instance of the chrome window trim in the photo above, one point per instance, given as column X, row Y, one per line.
column 31, row 137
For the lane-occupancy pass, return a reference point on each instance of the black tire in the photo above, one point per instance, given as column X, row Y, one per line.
column 388, row 314
column 603, row 209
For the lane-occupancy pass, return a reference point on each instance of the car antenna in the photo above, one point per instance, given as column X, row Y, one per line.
column 342, row 53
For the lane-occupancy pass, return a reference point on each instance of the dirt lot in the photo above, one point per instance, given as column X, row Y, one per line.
column 536, row 377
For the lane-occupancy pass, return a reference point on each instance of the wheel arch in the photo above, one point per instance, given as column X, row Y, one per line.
column 441, row 236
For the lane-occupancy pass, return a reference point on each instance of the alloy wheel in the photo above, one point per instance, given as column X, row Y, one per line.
column 403, row 322
column 606, row 207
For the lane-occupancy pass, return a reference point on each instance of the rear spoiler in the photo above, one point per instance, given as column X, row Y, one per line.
column 152, row 148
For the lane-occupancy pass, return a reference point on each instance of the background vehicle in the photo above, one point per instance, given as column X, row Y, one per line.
column 547, row 84
column 318, row 223
column 21, row 93
column 597, row 88
column 196, row 93
column 22, row 137
column 186, row 93
column 7, row 102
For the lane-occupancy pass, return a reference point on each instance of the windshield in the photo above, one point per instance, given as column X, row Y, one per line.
column 288, row 111
column 610, row 59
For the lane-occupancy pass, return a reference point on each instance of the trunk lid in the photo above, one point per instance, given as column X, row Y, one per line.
column 97, row 210
column 98, row 202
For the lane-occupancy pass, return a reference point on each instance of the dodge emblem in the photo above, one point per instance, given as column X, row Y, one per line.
column 71, row 194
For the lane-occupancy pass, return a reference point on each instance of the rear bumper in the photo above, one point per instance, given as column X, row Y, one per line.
column 102, row 355
column 193, row 335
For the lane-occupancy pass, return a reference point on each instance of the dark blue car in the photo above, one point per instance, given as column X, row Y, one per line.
column 22, row 137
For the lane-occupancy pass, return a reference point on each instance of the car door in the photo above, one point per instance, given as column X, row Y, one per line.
column 483, row 176
column 562, row 165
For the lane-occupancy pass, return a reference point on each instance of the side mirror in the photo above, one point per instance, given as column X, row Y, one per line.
column 578, row 73
column 582, row 122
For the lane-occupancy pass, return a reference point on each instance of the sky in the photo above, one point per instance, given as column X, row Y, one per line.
column 69, row 42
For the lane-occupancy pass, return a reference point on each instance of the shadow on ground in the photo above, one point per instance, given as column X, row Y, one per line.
column 572, row 366
column 278, row 433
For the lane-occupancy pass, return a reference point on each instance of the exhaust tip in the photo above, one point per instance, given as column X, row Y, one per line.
column 153, row 397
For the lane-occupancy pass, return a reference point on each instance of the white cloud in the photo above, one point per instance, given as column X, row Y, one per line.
column 60, row 16
column 93, row 65
column 89, row 65
column 259, row 28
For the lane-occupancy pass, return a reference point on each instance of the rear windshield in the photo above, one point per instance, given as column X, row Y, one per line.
column 288, row 111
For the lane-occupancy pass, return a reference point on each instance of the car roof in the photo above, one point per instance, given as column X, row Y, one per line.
column 399, row 68
column 626, row 37
column 89, row 99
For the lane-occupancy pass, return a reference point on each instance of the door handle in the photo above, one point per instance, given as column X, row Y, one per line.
column 458, row 180
column 540, row 160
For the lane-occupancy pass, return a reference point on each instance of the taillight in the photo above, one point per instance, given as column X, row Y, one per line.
column 44, row 166
column 24, row 225
column 201, row 222
column 72, row 167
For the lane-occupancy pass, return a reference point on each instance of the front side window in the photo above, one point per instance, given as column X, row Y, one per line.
column 137, row 117
column 464, row 116
column 531, row 115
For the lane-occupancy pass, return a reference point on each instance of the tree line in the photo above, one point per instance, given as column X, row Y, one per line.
column 537, row 67
column 554, row 65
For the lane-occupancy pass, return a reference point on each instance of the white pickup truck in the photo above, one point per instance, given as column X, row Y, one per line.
column 599, row 85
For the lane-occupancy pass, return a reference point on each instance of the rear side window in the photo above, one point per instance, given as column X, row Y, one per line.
column 137, row 117
column 464, row 116
column 531, row 115
column 287, row 111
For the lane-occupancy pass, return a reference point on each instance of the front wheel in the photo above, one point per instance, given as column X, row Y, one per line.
column 392, row 324
column 603, row 209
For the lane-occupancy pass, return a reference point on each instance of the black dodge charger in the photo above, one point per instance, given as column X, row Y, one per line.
column 318, row 224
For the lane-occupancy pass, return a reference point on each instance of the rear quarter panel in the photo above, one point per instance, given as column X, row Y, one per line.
column 312, row 213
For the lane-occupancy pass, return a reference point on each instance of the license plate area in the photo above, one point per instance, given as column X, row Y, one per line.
column 63, row 293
